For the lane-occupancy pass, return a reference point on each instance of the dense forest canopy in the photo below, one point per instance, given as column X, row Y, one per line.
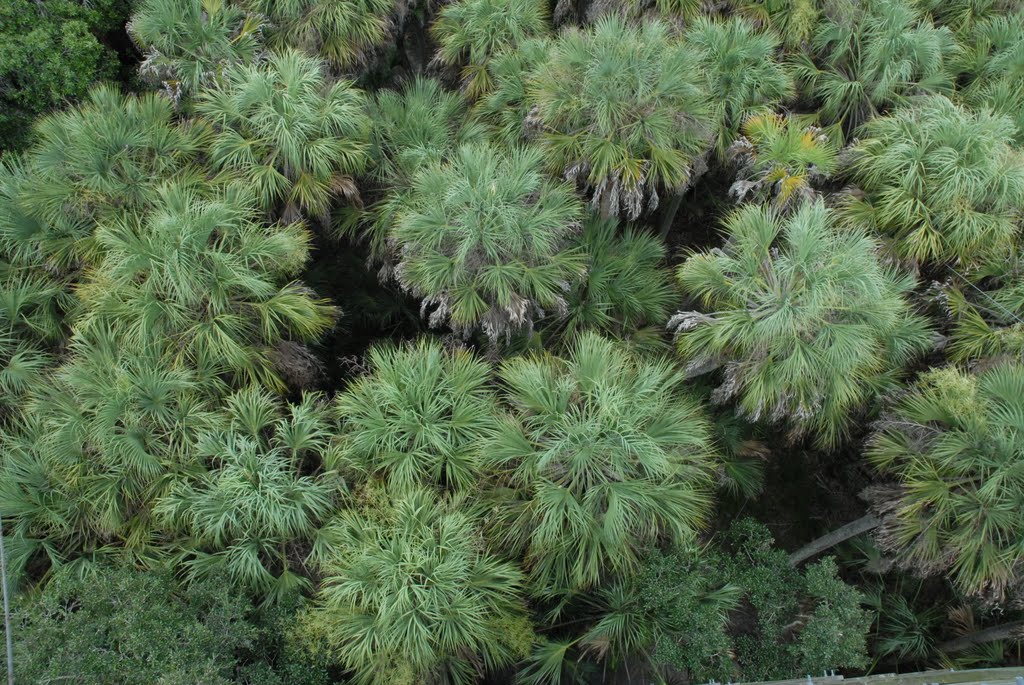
column 511, row 341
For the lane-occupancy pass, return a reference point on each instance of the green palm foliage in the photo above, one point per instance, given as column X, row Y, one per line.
column 623, row 110
column 740, row 65
column 94, row 447
column 482, row 240
column 293, row 135
column 874, row 55
column 412, row 596
column 794, row 21
column 339, row 31
column 255, row 511
column 956, row 445
column 418, row 418
column 202, row 278
column 942, row 180
column 808, row 323
column 963, row 15
column 780, row 158
column 34, row 297
column 417, row 127
column 987, row 323
column 470, row 32
column 992, row 66
column 187, row 43
column 605, row 452
column 627, row 291
column 506, row 109
column 103, row 159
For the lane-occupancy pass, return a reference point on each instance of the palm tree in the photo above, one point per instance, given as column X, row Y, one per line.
column 964, row 15
column 627, row 291
column 986, row 323
column 506, row 109
column 936, row 203
column 254, row 511
column 103, row 159
column 447, row 612
column 339, row 31
column 992, row 67
column 470, row 32
column 955, row 445
column 201, row 278
column 419, row 126
column 874, row 55
column 740, row 65
column 482, row 238
column 289, row 132
column 188, row 43
column 93, row 448
column 604, row 452
column 794, row 21
column 622, row 109
column 807, row 322
column 419, row 418
column 780, row 158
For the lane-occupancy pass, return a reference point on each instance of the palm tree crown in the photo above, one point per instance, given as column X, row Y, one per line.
column 874, row 55
column 419, row 418
column 807, row 321
column 296, row 137
column 339, row 31
column 942, row 180
column 412, row 596
column 482, row 239
column 103, row 159
column 780, row 157
column 253, row 509
column 187, row 43
column 627, row 287
column 956, row 445
column 741, row 69
column 992, row 64
column 202, row 278
column 609, row 453
column 472, row 31
column 623, row 108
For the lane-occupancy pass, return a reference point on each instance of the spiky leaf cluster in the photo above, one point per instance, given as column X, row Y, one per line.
column 250, row 513
column 803, row 317
column 780, row 158
column 470, row 32
column 294, row 136
column 942, row 180
column 482, row 239
column 187, row 43
column 606, row 452
column 101, row 160
column 94, row 448
column 956, row 446
column 411, row 595
column 741, row 68
column 339, row 31
column 423, row 124
column 202, row 278
column 622, row 108
column 626, row 291
column 418, row 418
column 872, row 56
column 992, row 64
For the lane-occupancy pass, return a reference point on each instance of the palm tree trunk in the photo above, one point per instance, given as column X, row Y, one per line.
column 669, row 215
column 1000, row 632
column 851, row 529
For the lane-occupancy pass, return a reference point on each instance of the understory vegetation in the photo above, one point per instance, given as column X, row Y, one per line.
column 440, row 342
